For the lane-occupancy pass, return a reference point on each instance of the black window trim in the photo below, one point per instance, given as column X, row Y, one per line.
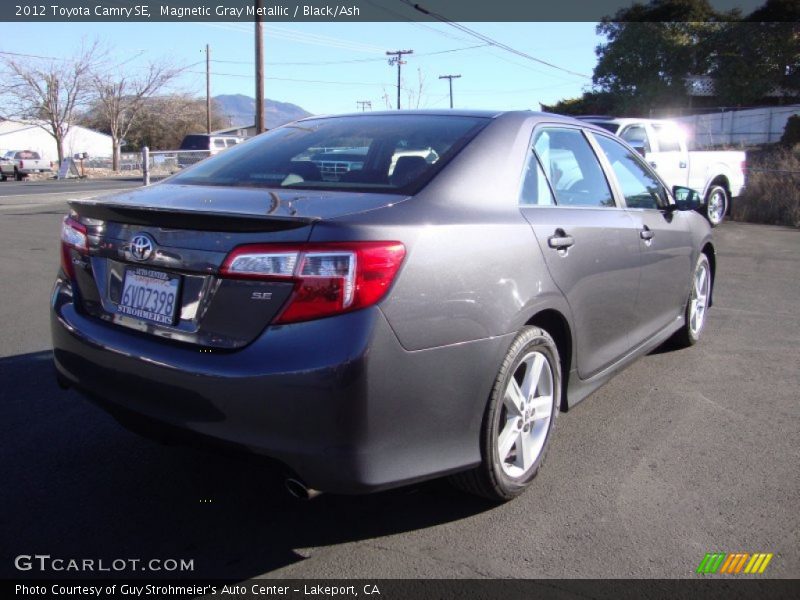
column 617, row 188
column 600, row 158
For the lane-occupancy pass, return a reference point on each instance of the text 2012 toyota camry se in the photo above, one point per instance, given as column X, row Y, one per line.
column 381, row 298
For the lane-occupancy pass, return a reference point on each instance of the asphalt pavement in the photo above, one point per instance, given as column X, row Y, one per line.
column 686, row 452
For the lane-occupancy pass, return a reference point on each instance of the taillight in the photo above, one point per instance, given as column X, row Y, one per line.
column 328, row 278
column 743, row 166
column 21, row 165
column 73, row 237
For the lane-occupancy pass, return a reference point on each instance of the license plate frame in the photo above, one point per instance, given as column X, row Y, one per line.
column 145, row 301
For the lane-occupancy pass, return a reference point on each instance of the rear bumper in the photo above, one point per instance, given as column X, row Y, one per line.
column 337, row 400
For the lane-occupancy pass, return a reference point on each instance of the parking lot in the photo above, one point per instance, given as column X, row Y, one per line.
column 686, row 452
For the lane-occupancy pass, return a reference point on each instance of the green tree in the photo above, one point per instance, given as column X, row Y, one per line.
column 651, row 49
column 759, row 56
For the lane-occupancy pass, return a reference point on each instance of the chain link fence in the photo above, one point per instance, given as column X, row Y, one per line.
column 159, row 164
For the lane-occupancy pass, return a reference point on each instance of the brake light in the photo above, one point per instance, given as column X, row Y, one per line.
column 743, row 166
column 73, row 237
column 329, row 278
column 21, row 165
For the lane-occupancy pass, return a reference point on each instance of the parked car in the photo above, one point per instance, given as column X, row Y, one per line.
column 21, row 163
column 718, row 176
column 214, row 144
column 380, row 329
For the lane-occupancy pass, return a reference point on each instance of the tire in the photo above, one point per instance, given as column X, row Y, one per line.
column 513, row 422
column 696, row 305
column 3, row 177
column 18, row 176
column 717, row 202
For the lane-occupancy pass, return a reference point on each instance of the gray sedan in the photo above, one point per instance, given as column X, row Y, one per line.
column 381, row 298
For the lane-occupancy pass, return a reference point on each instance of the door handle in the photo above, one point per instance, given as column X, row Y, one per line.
column 653, row 164
column 646, row 234
column 560, row 240
column 682, row 165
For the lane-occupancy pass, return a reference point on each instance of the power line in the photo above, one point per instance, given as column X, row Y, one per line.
column 344, row 62
column 490, row 41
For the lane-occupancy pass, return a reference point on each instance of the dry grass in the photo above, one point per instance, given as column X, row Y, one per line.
column 772, row 191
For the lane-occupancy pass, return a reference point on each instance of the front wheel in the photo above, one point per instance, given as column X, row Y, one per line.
column 519, row 419
column 716, row 204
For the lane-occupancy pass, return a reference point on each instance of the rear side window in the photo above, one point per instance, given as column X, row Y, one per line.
column 639, row 186
column 668, row 137
column 219, row 143
column 572, row 168
column 380, row 153
column 535, row 189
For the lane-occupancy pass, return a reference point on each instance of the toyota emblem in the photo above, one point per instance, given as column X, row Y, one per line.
column 142, row 246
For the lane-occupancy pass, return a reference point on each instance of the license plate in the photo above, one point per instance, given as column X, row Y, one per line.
column 150, row 295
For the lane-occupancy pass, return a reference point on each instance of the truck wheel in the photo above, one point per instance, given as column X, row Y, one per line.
column 17, row 175
column 3, row 177
column 716, row 204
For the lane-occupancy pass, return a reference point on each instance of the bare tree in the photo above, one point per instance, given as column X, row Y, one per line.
column 414, row 95
column 49, row 93
column 121, row 98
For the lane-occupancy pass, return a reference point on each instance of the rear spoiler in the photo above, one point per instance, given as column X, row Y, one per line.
column 196, row 220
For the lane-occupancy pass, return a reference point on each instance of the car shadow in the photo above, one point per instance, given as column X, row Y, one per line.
column 77, row 485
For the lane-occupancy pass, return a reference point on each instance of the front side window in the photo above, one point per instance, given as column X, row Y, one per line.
column 640, row 187
column 572, row 168
column 381, row 153
column 636, row 136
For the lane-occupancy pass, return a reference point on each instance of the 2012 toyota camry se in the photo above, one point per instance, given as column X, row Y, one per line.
column 382, row 298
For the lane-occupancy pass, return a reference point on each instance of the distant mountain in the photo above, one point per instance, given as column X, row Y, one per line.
column 239, row 109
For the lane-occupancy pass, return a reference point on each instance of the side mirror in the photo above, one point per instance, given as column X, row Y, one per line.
column 686, row 198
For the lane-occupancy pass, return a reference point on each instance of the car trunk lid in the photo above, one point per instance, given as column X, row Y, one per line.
column 171, row 240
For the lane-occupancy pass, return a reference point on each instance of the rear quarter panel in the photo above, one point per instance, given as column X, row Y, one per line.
column 473, row 268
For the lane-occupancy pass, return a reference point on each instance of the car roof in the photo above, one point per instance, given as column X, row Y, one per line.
column 487, row 114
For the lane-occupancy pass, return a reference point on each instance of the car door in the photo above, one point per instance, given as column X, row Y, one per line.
column 590, row 245
column 665, row 241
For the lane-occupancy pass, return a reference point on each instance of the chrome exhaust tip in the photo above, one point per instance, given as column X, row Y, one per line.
column 299, row 490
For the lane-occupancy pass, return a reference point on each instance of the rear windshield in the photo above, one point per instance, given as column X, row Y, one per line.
column 382, row 153
column 28, row 154
column 607, row 125
column 195, row 142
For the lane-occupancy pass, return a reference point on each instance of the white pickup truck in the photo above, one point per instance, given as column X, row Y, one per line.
column 21, row 163
column 718, row 176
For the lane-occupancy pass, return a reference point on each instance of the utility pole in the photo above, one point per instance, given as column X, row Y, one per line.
column 450, row 79
column 259, row 68
column 397, row 59
column 364, row 104
column 208, row 89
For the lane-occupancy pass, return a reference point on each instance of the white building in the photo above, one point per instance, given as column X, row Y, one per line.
column 26, row 135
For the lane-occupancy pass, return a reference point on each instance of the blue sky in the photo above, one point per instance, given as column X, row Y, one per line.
column 491, row 78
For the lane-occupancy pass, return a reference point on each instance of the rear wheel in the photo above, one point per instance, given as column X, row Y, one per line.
column 519, row 419
column 3, row 177
column 697, row 306
column 18, row 176
column 716, row 204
